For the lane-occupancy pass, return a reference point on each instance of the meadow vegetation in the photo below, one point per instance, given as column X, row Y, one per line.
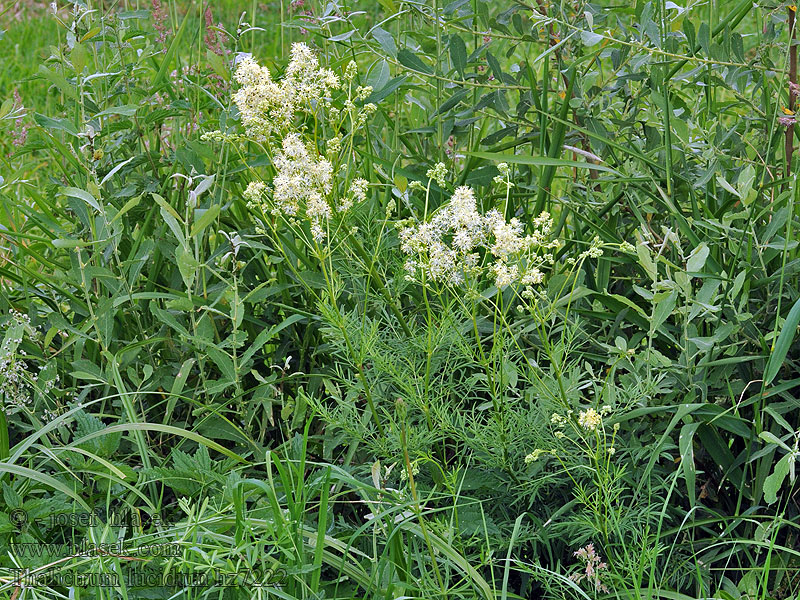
column 399, row 299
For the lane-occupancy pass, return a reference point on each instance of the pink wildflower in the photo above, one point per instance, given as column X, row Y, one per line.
column 213, row 38
column 593, row 566
column 160, row 21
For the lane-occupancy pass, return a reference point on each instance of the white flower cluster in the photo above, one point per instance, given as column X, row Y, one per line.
column 438, row 173
column 535, row 455
column 447, row 248
column 307, row 182
column 266, row 105
column 14, row 377
column 358, row 193
column 505, row 175
column 16, row 380
column 304, row 184
column 595, row 250
column 590, row 419
column 301, row 177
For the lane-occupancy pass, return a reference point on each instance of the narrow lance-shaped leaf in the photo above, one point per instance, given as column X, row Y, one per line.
column 458, row 53
column 782, row 345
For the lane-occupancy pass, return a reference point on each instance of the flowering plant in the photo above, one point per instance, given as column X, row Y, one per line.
column 308, row 139
column 459, row 243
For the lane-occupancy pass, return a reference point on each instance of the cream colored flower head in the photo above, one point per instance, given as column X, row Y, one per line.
column 589, row 419
column 268, row 106
column 535, row 455
column 458, row 241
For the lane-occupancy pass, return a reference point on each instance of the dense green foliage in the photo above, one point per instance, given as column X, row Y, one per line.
column 400, row 299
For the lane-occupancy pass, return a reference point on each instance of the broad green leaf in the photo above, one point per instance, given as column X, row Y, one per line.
column 388, row 89
column 126, row 110
column 458, row 53
column 168, row 319
column 69, row 243
column 218, row 65
column 6, row 107
column 114, row 171
column 745, row 182
column 630, row 303
column 237, row 310
column 389, row 5
column 400, row 182
column 267, row 335
column 379, row 75
column 59, row 81
column 773, row 483
column 82, row 195
column 452, row 101
column 690, row 33
column 646, row 260
column 58, row 124
column 386, row 41
column 128, row 205
column 177, row 386
column 773, row 439
column 494, row 65
column 187, row 265
column 223, row 361
column 91, row 33
column 412, row 61
column 779, row 419
column 723, row 182
column 589, row 38
column 663, row 309
column 697, row 258
column 342, row 36
column 79, row 57
column 205, row 220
